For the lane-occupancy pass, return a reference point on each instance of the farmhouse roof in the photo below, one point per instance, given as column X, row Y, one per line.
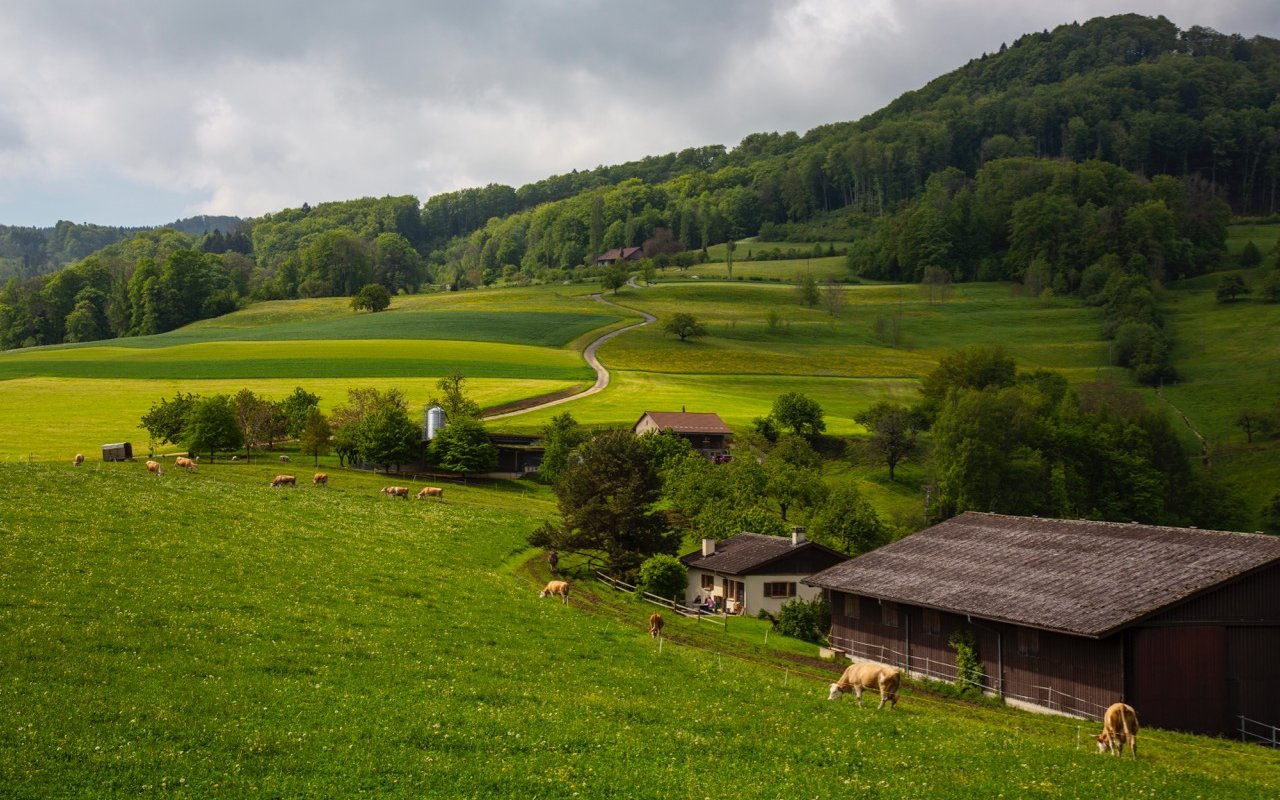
column 686, row 422
column 748, row 552
column 623, row 253
column 1076, row 576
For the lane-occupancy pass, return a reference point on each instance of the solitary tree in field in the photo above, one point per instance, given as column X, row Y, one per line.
column 373, row 297
column 1231, row 287
column 799, row 414
column 1252, row 421
column 684, row 325
column 893, row 432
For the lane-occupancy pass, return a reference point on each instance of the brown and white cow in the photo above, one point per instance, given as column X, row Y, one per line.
column 284, row 459
column 78, row 460
column 556, row 589
column 431, row 491
column 1119, row 725
column 396, row 491
column 858, row 677
column 284, row 480
column 656, row 623
column 186, row 463
column 320, row 479
column 154, row 468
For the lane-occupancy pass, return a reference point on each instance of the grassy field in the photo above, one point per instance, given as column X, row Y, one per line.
column 203, row 635
column 1228, row 359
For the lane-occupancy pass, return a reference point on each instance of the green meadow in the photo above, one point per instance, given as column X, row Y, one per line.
column 204, row 635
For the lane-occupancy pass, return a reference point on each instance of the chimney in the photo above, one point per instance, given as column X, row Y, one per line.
column 708, row 547
column 797, row 535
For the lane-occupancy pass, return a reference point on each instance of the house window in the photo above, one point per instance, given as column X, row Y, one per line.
column 708, row 582
column 889, row 614
column 1028, row 642
column 932, row 622
column 779, row 589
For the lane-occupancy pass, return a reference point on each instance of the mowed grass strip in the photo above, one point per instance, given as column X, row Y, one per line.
column 204, row 634
column 51, row 419
column 511, row 326
column 301, row 359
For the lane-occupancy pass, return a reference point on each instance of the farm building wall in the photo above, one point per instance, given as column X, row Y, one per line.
column 1068, row 674
column 1228, row 638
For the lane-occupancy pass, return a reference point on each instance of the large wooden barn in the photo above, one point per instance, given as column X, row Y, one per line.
column 1073, row 615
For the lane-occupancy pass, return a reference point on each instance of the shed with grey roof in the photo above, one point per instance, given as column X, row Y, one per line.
column 1073, row 615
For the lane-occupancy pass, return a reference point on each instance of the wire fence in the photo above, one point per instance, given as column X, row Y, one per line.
column 1048, row 697
column 1251, row 730
column 1069, row 730
column 683, row 610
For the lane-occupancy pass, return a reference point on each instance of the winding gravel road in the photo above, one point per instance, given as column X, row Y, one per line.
column 602, row 374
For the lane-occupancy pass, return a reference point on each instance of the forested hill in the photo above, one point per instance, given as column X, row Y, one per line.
column 29, row 251
column 1144, row 136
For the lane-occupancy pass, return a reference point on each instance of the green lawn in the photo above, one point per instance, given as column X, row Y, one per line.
column 204, row 635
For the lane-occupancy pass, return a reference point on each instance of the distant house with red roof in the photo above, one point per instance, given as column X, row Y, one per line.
column 705, row 431
column 620, row 254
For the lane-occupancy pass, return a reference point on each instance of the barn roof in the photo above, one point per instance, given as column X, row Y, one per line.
column 686, row 422
column 746, row 552
column 1077, row 576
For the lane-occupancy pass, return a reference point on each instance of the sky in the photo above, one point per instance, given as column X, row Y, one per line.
column 141, row 112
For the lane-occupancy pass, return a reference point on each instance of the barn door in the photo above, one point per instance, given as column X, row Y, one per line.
column 1177, row 678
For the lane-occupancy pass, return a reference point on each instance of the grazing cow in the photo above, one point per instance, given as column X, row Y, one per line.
column 320, row 479
column 154, row 468
column 1119, row 725
column 655, row 624
column 857, row 677
column 556, row 588
column 78, row 460
column 186, row 463
column 283, row 480
column 284, row 459
column 396, row 491
column 431, row 491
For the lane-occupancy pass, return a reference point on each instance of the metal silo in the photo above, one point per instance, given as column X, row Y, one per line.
column 433, row 421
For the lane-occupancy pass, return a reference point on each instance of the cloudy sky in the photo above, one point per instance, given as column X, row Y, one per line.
column 139, row 112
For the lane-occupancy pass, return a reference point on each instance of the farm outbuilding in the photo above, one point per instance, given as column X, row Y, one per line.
column 120, row 451
column 1073, row 615
column 752, row 571
column 705, row 431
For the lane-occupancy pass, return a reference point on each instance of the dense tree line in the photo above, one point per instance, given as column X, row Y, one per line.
column 1118, row 140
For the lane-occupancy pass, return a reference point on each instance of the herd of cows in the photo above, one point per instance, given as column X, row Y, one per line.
column 1119, row 724
column 318, row 479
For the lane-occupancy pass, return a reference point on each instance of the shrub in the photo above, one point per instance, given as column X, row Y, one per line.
column 805, row 619
column 968, row 664
column 663, row 576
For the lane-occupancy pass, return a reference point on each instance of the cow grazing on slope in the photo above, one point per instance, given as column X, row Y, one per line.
column 284, row 480
column 320, row 479
column 78, row 460
column 1119, row 725
column 396, row 491
column 154, row 468
column 858, row 677
column 656, row 622
column 186, row 463
column 431, row 491
column 556, row 589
